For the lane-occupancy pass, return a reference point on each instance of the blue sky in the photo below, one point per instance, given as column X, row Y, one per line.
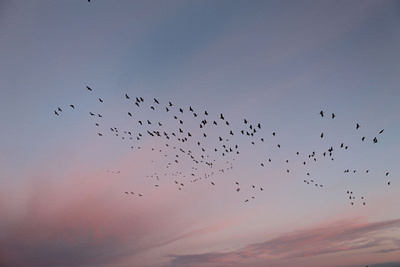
column 277, row 63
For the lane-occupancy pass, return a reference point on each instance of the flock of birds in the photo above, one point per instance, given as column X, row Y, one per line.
column 195, row 145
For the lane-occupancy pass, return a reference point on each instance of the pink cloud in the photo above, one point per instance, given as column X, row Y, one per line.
column 343, row 236
column 83, row 219
column 86, row 218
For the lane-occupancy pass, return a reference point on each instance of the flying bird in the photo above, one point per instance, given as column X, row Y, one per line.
column 90, row 89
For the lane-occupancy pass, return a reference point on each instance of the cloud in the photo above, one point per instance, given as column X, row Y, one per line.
column 343, row 236
column 82, row 220
column 86, row 219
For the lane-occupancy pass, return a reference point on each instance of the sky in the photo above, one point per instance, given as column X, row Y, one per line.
column 151, row 180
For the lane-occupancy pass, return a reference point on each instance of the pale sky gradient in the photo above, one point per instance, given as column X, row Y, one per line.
column 277, row 63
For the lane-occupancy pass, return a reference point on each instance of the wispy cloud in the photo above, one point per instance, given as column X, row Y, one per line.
column 341, row 236
column 84, row 220
column 74, row 222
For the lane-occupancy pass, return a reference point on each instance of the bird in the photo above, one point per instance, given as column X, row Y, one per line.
column 357, row 126
column 101, row 100
column 90, row 89
column 333, row 116
column 322, row 113
column 375, row 140
column 55, row 112
column 322, row 135
column 155, row 100
column 59, row 109
column 130, row 114
column 72, row 106
column 381, row 131
column 126, row 96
